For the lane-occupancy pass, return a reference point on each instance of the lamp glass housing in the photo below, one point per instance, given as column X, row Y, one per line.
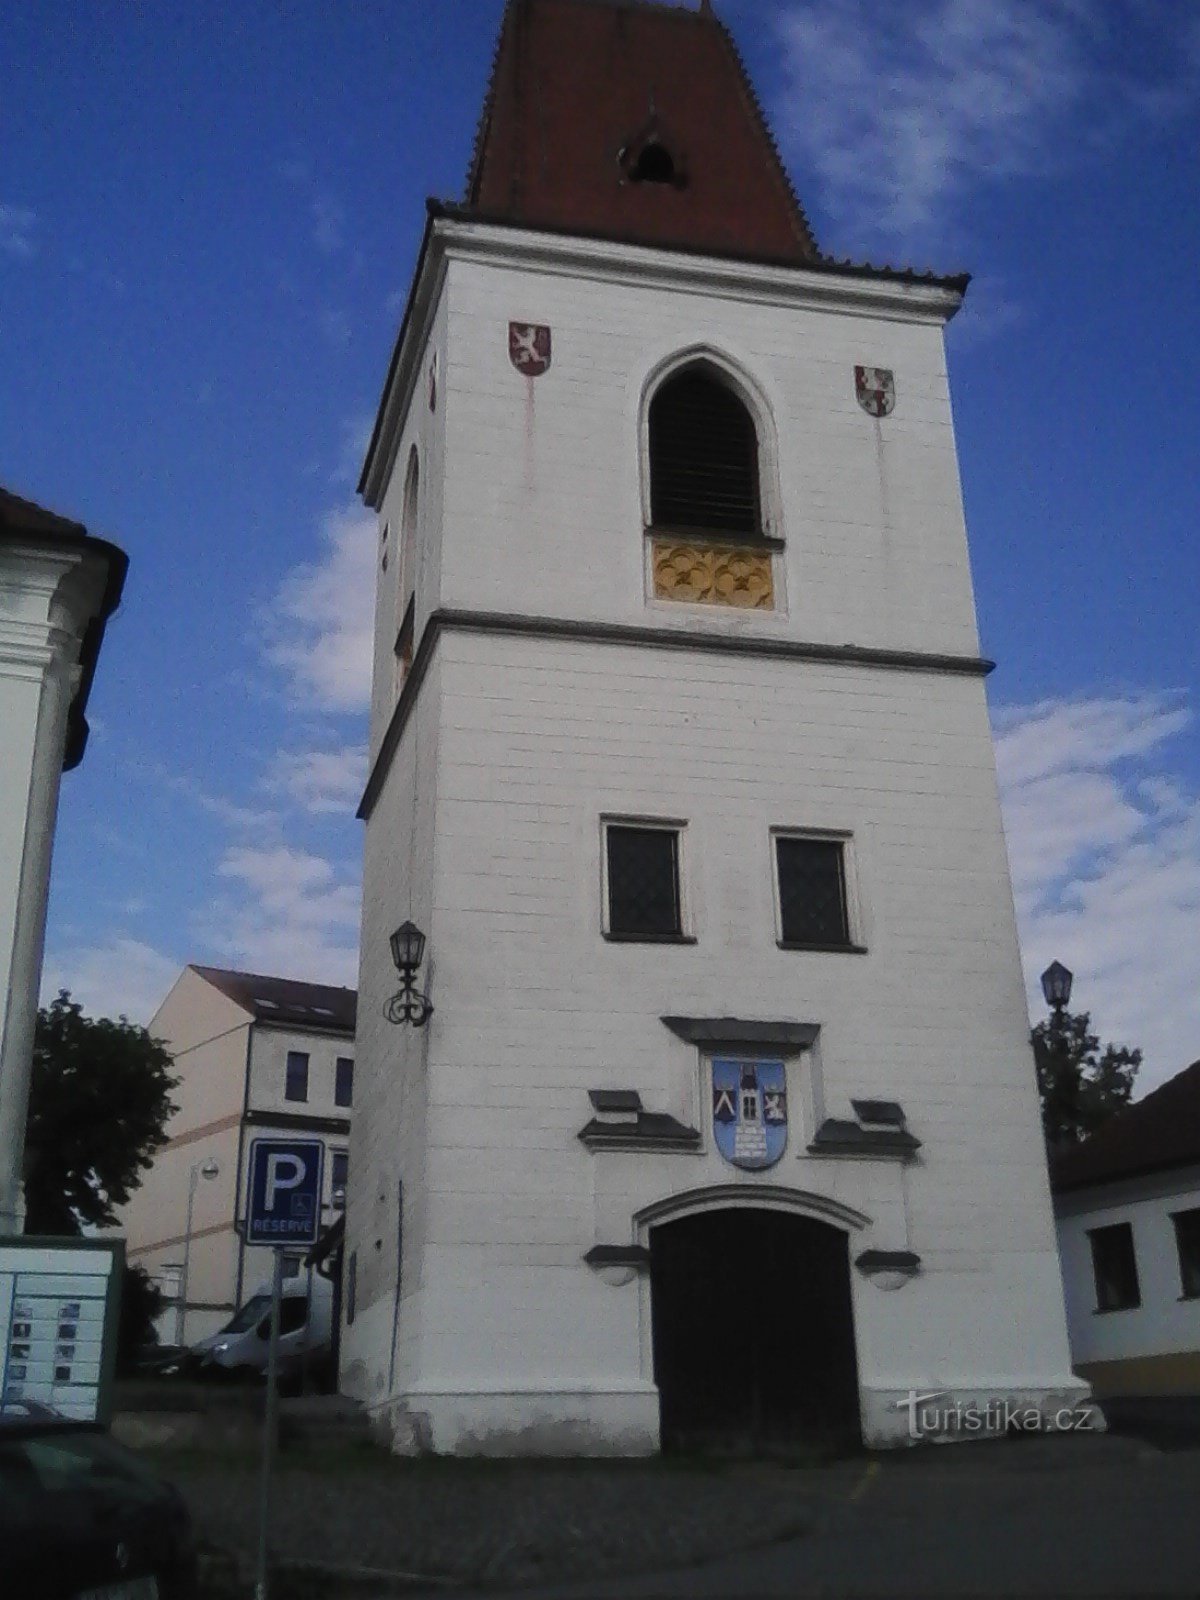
column 408, row 946
column 1056, row 984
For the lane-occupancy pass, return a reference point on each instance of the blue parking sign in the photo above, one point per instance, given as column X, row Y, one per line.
column 285, row 1191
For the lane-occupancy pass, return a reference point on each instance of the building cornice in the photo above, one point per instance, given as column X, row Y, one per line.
column 622, row 633
column 45, row 558
column 265, row 1116
column 819, row 284
column 423, row 296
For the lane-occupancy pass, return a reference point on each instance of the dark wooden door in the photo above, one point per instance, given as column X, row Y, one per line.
column 753, row 1331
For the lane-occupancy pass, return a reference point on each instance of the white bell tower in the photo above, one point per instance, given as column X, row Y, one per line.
column 680, row 757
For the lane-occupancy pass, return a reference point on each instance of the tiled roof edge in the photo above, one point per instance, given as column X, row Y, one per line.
column 456, row 211
column 783, row 177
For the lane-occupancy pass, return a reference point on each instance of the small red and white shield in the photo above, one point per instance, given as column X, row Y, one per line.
column 876, row 390
column 529, row 348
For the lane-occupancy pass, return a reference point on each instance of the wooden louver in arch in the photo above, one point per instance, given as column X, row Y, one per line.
column 703, row 458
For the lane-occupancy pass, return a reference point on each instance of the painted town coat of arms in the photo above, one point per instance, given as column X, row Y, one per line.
column 876, row 390
column 529, row 347
column 749, row 1111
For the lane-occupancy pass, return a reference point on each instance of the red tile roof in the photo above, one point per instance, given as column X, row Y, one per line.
column 580, row 86
column 1152, row 1135
column 286, row 1001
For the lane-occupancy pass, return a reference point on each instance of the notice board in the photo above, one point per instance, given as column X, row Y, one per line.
column 59, row 1309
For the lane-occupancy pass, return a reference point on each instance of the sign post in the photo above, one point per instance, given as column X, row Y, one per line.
column 284, row 1209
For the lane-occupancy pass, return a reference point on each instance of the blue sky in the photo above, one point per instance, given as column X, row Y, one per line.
column 208, row 217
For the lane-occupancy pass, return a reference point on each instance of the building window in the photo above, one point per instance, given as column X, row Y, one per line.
column 296, row 1085
column 703, row 457
column 814, row 908
column 340, row 1170
column 1115, row 1267
column 343, row 1081
column 1187, row 1241
column 642, row 873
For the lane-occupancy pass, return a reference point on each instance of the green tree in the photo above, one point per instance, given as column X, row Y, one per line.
column 99, row 1101
column 142, row 1301
column 1081, row 1085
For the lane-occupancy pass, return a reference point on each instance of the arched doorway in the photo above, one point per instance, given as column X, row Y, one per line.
column 753, row 1332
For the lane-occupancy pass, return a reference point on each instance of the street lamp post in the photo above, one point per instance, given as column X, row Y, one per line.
column 1056, row 987
column 201, row 1169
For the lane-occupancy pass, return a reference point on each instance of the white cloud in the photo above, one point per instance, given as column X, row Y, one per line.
column 319, row 626
column 121, row 977
column 355, row 435
column 294, row 915
column 901, row 109
column 1104, row 841
column 321, row 782
column 198, row 795
column 17, row 224
column 326, row 214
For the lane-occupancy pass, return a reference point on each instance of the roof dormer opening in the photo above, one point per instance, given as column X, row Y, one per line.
column 654, row 164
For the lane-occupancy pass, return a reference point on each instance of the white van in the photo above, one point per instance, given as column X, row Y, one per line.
column 305, row 1330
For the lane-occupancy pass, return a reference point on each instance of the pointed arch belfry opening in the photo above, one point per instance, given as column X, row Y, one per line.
column 752, row 1326
column 699, row 396
column 711, row 501
column 704, row 458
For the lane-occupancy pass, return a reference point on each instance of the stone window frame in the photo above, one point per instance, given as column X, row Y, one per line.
column 771, row 537
column 856, row 940
column 673, row 825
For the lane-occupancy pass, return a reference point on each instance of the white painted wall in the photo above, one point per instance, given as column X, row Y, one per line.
column 487, row 833
column 48, row 596
column 1165, row 1323
column 268, row 1070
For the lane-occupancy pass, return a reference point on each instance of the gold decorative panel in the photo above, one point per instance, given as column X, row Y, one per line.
column 713, row 574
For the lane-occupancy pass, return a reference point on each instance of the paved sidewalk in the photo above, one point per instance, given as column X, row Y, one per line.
column 497, row 1523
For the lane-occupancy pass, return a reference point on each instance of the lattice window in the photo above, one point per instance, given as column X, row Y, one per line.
column 812, row 891
column 643, row 882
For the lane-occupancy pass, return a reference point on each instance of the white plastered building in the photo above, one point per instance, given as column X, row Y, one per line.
column 254, row 1057
column 1128, row 1206
column 680, row 757
column 58, row 587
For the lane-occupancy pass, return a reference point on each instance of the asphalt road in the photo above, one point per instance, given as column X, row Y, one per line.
column 1112, row 1519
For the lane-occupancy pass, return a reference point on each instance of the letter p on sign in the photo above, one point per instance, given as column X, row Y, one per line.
column 284, row 1171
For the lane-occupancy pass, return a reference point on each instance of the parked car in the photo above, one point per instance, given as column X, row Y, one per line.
column 80, row 1516
column 305, row 1332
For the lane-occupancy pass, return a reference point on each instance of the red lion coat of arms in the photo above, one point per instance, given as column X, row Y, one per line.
column 529, row 347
